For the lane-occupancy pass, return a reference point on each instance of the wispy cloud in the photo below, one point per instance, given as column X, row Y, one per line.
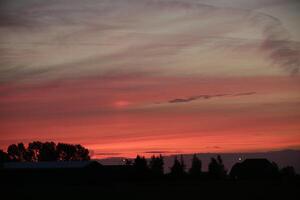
column 205, row 97
column 49, row 40
column 277, row 41
column 244, row 94
column 161, row 152
column 106, row 154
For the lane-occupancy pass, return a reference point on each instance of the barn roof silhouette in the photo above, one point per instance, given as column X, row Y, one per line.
column 254, row 168
column 257, row 161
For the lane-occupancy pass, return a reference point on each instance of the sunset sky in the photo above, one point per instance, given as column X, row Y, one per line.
column 127, row 77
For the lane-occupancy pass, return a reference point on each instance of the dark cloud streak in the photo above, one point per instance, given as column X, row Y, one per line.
column 161, row 152
column 205, row 97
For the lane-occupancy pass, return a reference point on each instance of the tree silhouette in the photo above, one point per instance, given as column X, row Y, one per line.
column 216, row 168
column 178, row 168
column 140, row 165
column 69, row 152
column 81, row 153
column 157, row 165
column 196, row 168
column 35, row 147
column 28, row 156
column 3, row 156
column 22, row 152
column 13, row 152
column 39, row 151
column 65, row 151
column 18, row 152
column 48, row 152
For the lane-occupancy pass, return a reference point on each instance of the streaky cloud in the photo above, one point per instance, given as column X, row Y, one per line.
column 277, row 42
column 161, row 152
column 204, row 97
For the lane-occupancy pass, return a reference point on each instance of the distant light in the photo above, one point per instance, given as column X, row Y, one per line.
column 240, row 158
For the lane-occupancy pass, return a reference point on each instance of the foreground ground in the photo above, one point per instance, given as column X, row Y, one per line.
column 155, row 190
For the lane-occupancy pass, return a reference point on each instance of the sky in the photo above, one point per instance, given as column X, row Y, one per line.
column 127, row 77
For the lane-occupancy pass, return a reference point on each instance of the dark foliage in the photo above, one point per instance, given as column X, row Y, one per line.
column 47, row 151
column 178, row 168
column 3, row 156
column 196, row 168
column 35, row 147
column 140, row 166
column 156, row 165
column 13, row 152
column 72, row 152
column 216, row 168
column 140, row 169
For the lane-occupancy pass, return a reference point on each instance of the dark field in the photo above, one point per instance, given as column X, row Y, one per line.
column 88, row 188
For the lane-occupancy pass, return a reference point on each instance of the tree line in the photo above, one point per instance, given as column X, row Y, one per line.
column 49, row 151
column 44, row 151
column 155, row 167
column 216, row 169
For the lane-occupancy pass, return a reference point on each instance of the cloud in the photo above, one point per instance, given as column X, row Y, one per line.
column 161, row 152
column 193, row 98
column 204, row 97
column 51, row 39
column 244, row 94
column 213, row 147
column 277, row 42
column 107, row 154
